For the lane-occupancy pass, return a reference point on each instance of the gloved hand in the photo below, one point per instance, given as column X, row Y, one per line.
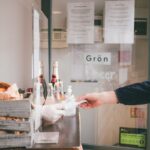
column 52, row 113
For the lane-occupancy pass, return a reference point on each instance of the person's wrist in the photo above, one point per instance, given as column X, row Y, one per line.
column 108, row 97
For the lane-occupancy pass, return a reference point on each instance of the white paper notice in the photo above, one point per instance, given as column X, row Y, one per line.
column 80, row 22
column 119, row 21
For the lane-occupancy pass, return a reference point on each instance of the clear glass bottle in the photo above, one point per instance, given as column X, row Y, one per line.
column 70, row 103
column 42, row 94
column 50, row 96
column 37, row 93
column 41, row 79
column 57, row 91
column 61, row 90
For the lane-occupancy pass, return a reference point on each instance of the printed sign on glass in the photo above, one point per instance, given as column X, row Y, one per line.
column 119, row 21
column 80, row 22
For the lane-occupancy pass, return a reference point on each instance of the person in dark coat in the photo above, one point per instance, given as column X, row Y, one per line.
column 134, row 94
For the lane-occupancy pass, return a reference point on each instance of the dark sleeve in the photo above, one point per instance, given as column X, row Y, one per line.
column 134, row 94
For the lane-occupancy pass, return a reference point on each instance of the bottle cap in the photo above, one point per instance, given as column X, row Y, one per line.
column 56, row 63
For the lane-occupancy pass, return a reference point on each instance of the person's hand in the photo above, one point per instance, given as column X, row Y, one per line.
column 52, row 113
column 93, row 100
column 97, row 99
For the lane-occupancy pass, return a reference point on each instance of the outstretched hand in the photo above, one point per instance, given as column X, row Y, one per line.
column 92, row 100
column 97, row 99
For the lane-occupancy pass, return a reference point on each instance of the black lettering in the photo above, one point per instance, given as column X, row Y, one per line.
column 105, row 59
column 88, row 58
column 94, row 58
column 99, row 59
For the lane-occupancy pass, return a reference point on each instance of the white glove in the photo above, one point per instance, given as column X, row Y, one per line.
column 52, row 113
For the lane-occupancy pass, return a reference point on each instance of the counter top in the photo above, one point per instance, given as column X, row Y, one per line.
column 69, row 134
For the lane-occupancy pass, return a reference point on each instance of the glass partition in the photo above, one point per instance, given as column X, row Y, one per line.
column 104, row 64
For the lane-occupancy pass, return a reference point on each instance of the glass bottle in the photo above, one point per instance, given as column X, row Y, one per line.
column 50, row 96
column 57, row 91
column 37, row 88
column 61, row 88
column 42, row 94
column 55, row 75
column 70, row 103
column 41, row 80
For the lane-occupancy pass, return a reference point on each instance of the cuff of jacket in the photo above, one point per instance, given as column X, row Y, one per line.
column 120, row 97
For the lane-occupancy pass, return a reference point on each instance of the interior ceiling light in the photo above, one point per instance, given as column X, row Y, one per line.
column 56, row 12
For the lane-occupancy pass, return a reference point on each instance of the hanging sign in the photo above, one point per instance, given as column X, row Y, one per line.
column 119, row 21
column 80, row 22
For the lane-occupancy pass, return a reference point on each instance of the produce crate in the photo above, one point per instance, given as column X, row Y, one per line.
column 15, row 123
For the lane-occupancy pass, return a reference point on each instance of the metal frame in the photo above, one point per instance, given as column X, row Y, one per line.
column 148, row 115
column 94, row 147
column 47, row 9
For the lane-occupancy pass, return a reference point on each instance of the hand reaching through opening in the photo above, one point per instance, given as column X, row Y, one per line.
column 97, row 99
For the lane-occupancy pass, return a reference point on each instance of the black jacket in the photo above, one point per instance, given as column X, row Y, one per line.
column 134, row 94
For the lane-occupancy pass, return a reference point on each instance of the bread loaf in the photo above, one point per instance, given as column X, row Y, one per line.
column 4, row 86
column 5, row 96
column 2, row 89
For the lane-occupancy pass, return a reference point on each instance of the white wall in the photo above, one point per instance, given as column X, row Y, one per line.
column 16, row 42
